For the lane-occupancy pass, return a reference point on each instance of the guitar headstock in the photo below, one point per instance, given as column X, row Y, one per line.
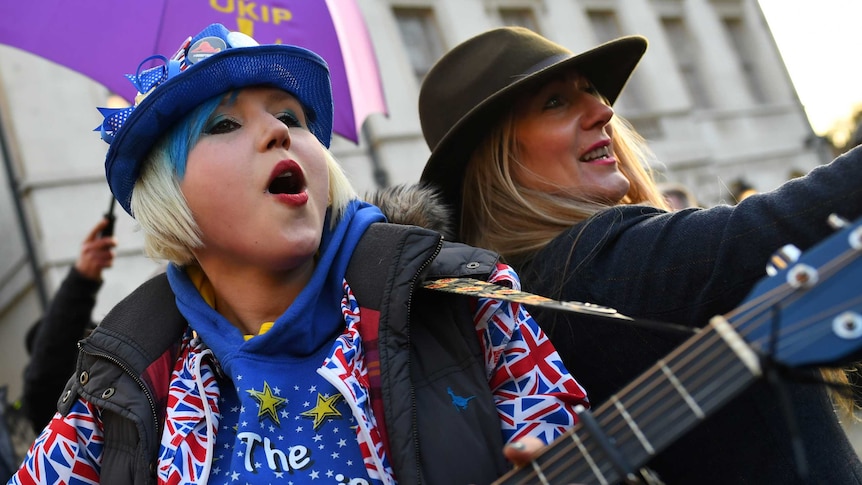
column 810, row 311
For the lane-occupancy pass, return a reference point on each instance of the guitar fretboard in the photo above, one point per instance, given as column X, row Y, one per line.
column 650, row 413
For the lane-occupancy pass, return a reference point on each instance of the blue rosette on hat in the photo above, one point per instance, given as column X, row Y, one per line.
column 214, row 62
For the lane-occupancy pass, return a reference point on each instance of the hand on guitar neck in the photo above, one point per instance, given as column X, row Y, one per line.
column 521, row 452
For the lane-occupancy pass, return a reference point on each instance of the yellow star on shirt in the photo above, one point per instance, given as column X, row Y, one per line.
column 325, row 408
column 269, row 403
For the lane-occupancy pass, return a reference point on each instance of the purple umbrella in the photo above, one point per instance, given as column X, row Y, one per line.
column 104, row 39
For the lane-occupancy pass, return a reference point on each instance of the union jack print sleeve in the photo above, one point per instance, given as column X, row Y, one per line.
column 534, row 393
column 69, row 450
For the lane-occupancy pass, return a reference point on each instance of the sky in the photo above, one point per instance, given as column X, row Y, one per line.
column 819, row 42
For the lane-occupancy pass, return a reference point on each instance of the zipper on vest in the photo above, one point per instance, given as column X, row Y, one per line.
column 413, row 421
column 127, row 369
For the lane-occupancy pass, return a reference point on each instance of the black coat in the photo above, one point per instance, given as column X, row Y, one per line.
column 52, row 345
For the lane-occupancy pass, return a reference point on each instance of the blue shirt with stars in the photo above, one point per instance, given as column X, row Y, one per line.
column 287, row 426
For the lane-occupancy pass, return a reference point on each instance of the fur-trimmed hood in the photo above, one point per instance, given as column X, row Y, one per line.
column 416, row 205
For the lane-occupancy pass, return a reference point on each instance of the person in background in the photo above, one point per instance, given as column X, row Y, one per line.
column 536, row 165
column 740, row 190
column 677, row 196
column 52, row 341
column 284, row 343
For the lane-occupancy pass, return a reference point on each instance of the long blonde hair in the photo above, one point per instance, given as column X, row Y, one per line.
column 515, row 221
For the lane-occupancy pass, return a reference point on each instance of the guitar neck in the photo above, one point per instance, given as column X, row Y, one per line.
column 650, row 413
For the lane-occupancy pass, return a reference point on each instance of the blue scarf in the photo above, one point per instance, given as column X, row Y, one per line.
column 311, row 321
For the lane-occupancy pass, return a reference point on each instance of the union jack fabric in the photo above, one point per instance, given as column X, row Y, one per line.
column 69, row 450
column 535, row 396
column 192, row 418
column 534, row 393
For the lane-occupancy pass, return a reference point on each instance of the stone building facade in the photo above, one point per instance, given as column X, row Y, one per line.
column 712, row 96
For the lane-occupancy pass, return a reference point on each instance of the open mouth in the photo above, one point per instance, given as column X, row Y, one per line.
column 288, row 179
column 597, row 154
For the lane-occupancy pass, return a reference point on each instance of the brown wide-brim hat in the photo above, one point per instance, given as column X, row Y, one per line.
column 471, row 86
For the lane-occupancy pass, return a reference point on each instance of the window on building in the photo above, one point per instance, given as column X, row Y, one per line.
column 606, row 27
column 523, row 17
column 742, row 45
column 685, row 53
column 421, row 38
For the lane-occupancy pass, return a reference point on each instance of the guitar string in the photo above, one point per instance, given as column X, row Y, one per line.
column 657, row 404
column 828, row 268
column 794, row 338
column 783, row 292
column 583, row 472
column 644, row 384
column 788, row 333
column 645, row 395
column 685, row 369
column 656, row 411
column 659, row 411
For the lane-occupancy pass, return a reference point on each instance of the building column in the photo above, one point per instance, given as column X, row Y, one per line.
column 723, row 77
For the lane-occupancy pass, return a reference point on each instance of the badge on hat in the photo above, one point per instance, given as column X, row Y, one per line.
column 205, row 48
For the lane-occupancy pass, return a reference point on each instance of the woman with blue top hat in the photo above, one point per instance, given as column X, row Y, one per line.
column 281, row 345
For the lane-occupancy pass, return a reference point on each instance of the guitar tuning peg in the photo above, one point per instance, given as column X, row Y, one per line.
column 781, row 259
column 848, row 325
column 855, row 239
column 837, row 222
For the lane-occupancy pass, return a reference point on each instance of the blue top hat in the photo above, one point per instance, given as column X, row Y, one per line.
column 215, row 61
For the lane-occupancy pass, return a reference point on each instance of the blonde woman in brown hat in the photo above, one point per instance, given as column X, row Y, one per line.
column 529, row 154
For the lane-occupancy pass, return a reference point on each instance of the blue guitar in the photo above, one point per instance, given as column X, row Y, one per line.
column 808, row 312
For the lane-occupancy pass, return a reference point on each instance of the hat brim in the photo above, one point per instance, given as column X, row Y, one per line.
column 608, row 66
column 293, row 69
